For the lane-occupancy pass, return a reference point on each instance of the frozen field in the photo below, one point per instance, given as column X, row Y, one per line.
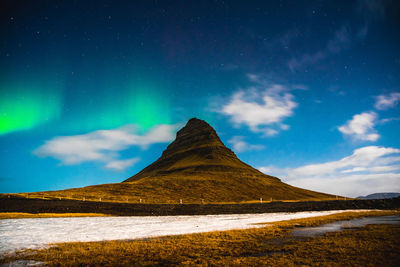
column 16, row 234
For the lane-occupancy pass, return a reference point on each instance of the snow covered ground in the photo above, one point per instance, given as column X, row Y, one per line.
column 17, row 234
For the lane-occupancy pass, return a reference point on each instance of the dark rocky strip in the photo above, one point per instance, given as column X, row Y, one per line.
column 18, row 204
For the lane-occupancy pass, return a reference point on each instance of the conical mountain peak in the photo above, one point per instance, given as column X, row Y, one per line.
column 196, row 149
column 195, row 126
column 196, row 133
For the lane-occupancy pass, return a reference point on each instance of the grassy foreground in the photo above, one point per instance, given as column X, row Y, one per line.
column 267, row 246
column 22, row 215
column 193, row 189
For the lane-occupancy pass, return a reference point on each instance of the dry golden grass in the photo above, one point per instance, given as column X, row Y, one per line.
column 267, row 246
column 21, row 215
column 191, row 189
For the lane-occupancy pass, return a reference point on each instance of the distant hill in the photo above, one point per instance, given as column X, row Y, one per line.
column 380, row 196
column 195, row 168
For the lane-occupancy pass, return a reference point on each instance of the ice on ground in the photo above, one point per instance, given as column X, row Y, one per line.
column 34, row 233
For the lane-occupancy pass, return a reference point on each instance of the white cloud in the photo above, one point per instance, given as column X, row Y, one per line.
column 239, row 145
column 366, row 157
column 272, row 170
column 368, row 170
column 361, row 127
column 383, row 102
column 121, row 165
column 270, row 132
column 260, row 106
column 104, row 145
column 376, row 169
column 353, row 185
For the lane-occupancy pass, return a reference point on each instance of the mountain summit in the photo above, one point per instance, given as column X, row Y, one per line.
column 195, row 168
column 197, row 133
column 197, row 150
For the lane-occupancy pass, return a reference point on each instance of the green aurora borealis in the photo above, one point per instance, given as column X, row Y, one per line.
column 24, row 105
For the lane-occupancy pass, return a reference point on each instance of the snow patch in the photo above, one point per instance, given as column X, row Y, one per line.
column 36, row 233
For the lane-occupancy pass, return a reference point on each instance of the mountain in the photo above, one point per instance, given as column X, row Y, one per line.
column 380, row 196
column 197, row 152
column 197, row 167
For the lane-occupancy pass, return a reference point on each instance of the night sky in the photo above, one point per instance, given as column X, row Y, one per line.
column 91, row 92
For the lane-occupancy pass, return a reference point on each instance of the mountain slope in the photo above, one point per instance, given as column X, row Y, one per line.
column 196, row 167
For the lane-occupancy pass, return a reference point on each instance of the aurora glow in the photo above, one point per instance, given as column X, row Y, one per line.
column 27, row 105
column 148, row 106
column 291, row 86
column 144, row 104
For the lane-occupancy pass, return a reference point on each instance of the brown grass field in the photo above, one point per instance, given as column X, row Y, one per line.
column 272, row 245
column 216, row 188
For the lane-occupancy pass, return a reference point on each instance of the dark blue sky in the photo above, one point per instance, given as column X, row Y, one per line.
column 93, row 91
